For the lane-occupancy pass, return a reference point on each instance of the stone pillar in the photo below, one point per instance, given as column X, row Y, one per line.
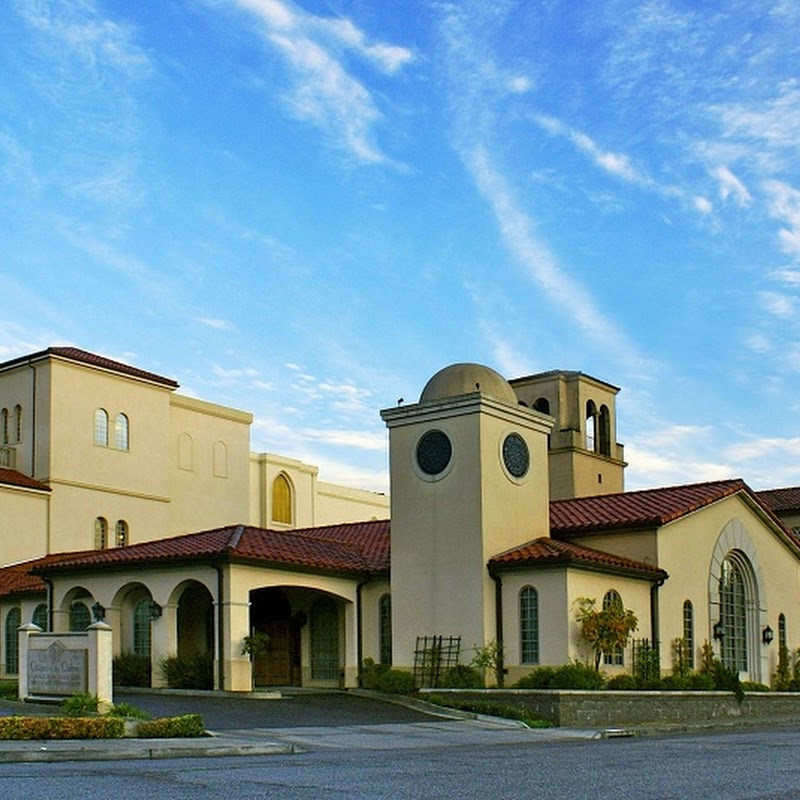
column 350, row 646
column 163, row 640
column 24, row 634
column 237, row 667
column 101, row 660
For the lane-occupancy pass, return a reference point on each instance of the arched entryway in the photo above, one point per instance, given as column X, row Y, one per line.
column 271, row 613
column 195, row 621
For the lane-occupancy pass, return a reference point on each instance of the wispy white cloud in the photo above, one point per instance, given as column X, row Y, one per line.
column 731, row 187
column 215, row 324
column 779, row 305
column 359, row 439
column 517, row 229
column 326, row 92
column 784, row 205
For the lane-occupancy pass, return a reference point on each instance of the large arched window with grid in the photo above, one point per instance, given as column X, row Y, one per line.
column 613, row 600
column 385, row 629
column 101, row 427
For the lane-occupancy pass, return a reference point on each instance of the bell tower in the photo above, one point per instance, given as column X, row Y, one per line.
column 469, row 479
column 585, row 457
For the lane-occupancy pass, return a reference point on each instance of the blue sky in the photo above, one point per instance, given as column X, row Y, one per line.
column 306, row 209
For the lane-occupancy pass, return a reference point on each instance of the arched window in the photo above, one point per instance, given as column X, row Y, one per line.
column 121, row 425
column 385, row 629
column 604, row 432
column 80, row 618
column 100, row 533
column 17, row 427
column 4, row 426
column 141, row 627
column 688, row 632
column 121, row 533
column 542, row 404
column 13, row 621
column 591, row 426
column 612, row 599
column 101, row 427
column 529, row 625
column 782, row 631
column 733, row 613
column 282, row 500
column 41, row 617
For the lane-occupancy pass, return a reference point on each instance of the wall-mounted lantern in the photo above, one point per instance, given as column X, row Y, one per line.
column 719, row 630
column 767, row 635
column 98, row 612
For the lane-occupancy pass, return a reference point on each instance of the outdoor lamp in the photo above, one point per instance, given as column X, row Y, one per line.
column 767, row 635
column 98, row 612
column 719, row 630
column 155, row 610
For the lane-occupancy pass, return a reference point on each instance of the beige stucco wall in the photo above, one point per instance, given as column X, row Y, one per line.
column 23, row 523
column 343, row 504
column 208, row 452
column 444, row 530
column 559, row 590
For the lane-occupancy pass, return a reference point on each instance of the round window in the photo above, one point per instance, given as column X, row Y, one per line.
column 434, row 451
column 515, row 455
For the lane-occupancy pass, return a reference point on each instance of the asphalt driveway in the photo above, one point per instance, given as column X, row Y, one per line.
column 302, row 709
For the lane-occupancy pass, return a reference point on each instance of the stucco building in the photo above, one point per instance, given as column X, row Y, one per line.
column 507, row 506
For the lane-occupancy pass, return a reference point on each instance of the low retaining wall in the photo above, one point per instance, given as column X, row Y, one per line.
column 611, row 709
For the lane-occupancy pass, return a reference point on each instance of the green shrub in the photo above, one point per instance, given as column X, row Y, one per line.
column 61, row 728
column 79, row 705
column 370, row 673
column 490, row 708
column 185, row 726
column 127, row 710
column 754, row 686
column 625, row 683
column 131, row 669
column 701, row 682
column 461, row 676
column 576, row 675
column 539, row 678
column 677, row 682
column 9, row 690
column 396, row 681
column 189, row 672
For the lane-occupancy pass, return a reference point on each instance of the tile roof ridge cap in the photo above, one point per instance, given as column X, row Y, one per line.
column 236, row 537
column 737, row 483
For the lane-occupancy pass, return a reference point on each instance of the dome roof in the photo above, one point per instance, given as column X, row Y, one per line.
column 458, row 379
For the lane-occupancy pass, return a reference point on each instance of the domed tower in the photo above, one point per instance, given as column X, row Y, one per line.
column 469, row 479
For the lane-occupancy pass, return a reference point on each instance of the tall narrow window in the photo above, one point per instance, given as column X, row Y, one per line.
column 13, row 621
column 41, row 617
column 141, row 627
column 121, row 432
column 688, row 632
column 17, row 426
column 185, row 452
column 613, row 600
column 4, row 426
column 100, row 533
column 733, row 613
column 282, row 500
column 80, row 618
column 782, row 631
column 591, row 425
column 529, row 625
column 121, row 533
column 385, row 629
column 101, row 427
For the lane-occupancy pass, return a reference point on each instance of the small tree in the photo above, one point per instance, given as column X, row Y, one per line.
column 490, row 657
column 606, row 630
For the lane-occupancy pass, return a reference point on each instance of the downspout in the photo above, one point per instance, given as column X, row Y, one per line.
column 360, row 628
column 655, row 626
column 220, row 627
column 50, row 618
column 498, row 626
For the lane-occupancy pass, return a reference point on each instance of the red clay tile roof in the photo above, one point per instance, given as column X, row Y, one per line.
column 545, row 550
column 642, row 509
column 19, row 578
column 84, row 357
column 14, row 478
column 351, row 547
column 787, row 499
